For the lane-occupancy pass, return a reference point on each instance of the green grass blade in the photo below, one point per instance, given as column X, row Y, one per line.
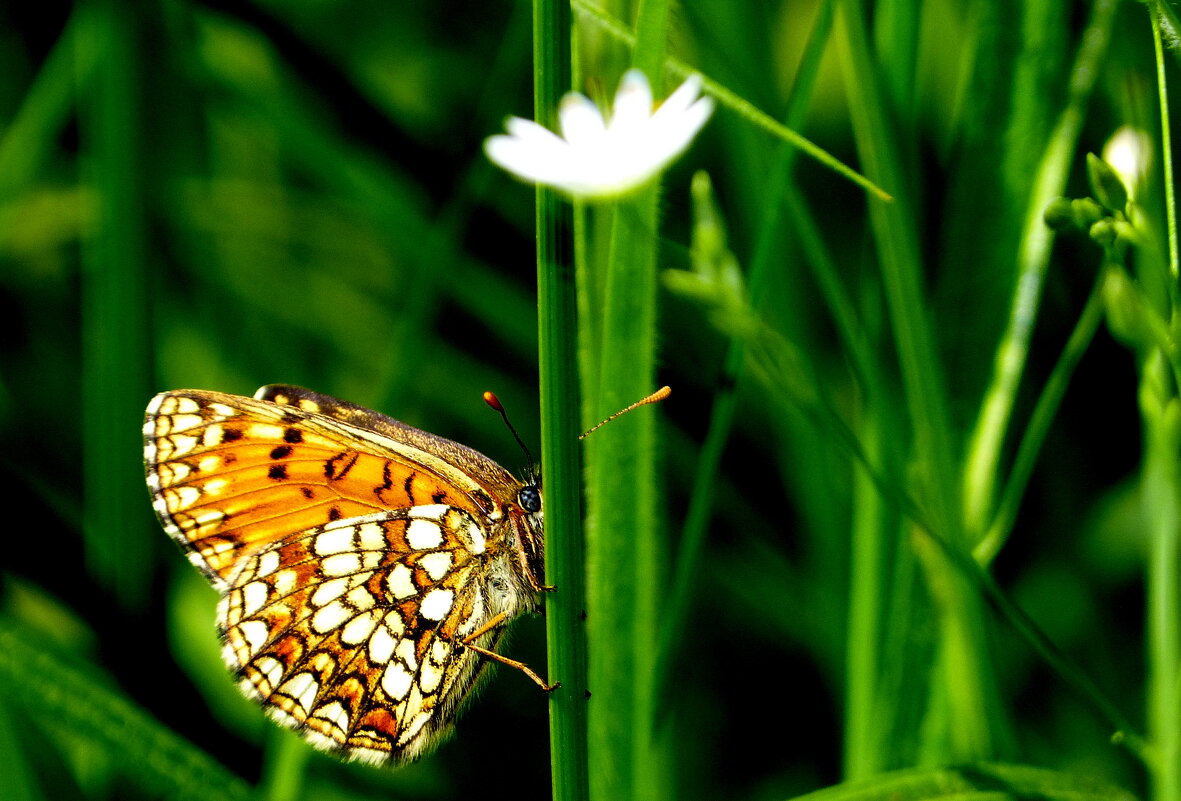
column 996, row 409
column 114, row 336
column 557, row 351
column 151, row 755
column 977, row 782
column 965, row 692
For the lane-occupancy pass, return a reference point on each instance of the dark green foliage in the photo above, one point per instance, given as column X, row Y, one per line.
column 224, row 195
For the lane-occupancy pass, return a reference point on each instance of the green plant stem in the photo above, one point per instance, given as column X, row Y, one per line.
column 115, row 328
column 964, row 707
column 1161, row 412
column 863, row 741
column 624, row 582
column 1167, row 145
column 557, row 349
column 996, row 409
column 1039, row 426
column 285, row 767
column 31, row 134
column 705, row 477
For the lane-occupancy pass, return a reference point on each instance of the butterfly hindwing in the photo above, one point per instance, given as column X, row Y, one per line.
column 351, row 629
column 366, row 567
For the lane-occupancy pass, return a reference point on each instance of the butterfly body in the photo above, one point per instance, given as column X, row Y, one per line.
column 364, row 566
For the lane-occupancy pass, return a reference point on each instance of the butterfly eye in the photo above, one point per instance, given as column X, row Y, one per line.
column 530, row 499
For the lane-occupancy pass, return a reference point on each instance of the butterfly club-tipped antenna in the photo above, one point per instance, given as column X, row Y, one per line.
column 655, row 397
column 493, row 401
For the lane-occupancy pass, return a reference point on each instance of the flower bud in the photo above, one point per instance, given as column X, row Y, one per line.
column 1109, row 189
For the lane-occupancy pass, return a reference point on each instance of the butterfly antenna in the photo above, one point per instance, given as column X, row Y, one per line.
column 493, row 401
column 655, row 397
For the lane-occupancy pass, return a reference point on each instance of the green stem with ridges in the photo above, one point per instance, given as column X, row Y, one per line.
column 557, row 343
column 1161, row 410
column 622, row 535
column 966, row 691
column 996, row 409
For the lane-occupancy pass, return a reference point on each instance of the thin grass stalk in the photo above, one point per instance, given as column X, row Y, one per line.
column 1039, row 426
column 557, row 352
column 996, row 410
column 621, row 488
column 1167, row 144
column 32, row 133
column 691, row 545
column 965, row 691
column 1161, row 408
column 868, row 561
column 285, row 767
column 114, row 325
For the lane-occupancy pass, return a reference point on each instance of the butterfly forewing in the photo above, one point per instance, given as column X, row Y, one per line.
column 354, row 555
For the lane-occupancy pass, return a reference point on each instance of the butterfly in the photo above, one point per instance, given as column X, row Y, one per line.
column 367, row 569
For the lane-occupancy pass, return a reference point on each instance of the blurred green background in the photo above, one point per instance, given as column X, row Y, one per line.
column 225, row 194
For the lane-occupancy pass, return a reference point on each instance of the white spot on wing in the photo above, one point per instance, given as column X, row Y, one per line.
column 437, row 603
column 396, row 681
column 431, row 511
column 371, row 536
column 334, row 715
column 254, row 597
column 423, row 535
column 429, row 678
column 341, row 564
column 270, row 671
column 268, row 563
column 334, row 540
column 357, row 630
column 381, row 645
column 329, row 591
column 329, row 618
column 401, row 582
column 302, row 687
column 255, row 635
column 436, row 564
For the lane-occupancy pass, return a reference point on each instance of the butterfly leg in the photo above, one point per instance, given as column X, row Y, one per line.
column 497, row 620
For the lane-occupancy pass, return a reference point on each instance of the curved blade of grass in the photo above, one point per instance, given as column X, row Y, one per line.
column 152, row 756
column 984, row 448
column 979, row 782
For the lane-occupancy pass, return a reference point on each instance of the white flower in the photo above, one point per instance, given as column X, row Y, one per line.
column 1128, row 152
column 595, row 158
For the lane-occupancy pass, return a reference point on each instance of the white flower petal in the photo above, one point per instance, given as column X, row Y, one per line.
column 684, row 95
column 581, row 120
column 531, row 160
column 633, row 102
column 675, row 134
column 599, row 157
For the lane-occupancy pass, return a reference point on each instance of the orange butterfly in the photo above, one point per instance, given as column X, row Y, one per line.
column 364, row 566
